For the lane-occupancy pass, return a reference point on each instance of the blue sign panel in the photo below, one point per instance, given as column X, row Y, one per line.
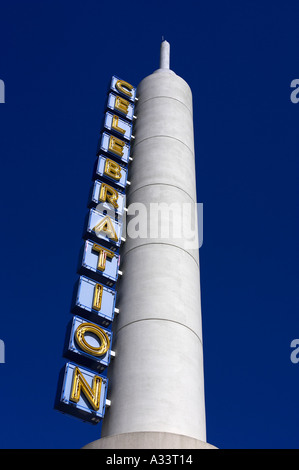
column 89, row 344
column 120, row 106
column 123, row 88
column 99, row 263
column 104, row 229
column 94, row 301
column 107, row 198
column 83, row 393
column 121, row 127
column 112, row 172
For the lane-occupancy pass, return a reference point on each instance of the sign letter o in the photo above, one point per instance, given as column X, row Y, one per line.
column 99, row 333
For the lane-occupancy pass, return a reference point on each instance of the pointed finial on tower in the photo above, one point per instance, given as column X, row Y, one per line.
column 164, row 54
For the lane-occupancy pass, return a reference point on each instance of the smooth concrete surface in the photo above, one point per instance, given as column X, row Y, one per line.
column 148, row 440
column 157, row 153
column 169, row 118
column 161, row 400
column 172, row 265
column 158, row 85
column 163, row 218
column 156, row 380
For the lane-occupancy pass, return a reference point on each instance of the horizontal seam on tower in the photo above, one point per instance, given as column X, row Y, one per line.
column 169, row 97
column 160, row 243
column 160, row 319
column 161, row 184
column 168, row 136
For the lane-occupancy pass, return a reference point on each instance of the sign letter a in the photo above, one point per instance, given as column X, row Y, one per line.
column 105, row 226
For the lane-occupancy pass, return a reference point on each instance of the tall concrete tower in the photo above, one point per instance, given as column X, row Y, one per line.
column 156, row 378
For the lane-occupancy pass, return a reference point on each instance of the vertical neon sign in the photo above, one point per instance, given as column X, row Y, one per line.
column 82, row 390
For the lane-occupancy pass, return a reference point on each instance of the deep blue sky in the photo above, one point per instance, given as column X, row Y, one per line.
column 239, row 58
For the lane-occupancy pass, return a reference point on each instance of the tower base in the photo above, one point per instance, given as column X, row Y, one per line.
column 148, row 440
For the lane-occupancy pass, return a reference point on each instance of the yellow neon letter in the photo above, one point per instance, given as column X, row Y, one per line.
column 97, row 297
column 121, row 105
column 107, row 193
column 103, row 253
column 93, row 394
column 116, row 146
column 106, row 226
column 112, row 169
column 99, row 333
column 124, row 87
column 115, row 125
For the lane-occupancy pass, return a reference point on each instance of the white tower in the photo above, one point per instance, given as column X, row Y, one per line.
column 156, row 383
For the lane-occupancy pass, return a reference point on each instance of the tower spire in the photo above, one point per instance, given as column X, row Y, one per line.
column 164, row 54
